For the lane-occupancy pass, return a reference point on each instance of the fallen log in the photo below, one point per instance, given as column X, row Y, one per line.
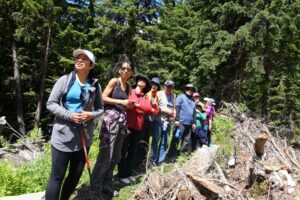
column 201, row 160
column 205, row 185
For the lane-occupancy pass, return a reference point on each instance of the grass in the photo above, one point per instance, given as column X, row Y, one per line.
column 33, row 176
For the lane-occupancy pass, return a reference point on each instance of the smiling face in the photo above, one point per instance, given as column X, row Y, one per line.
column 125, row 70
column 83, row 63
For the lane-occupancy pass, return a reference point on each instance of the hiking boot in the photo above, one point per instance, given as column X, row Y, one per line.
column 110, row 189
column 125, row 181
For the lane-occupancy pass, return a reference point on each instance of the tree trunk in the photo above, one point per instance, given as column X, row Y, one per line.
column 38, row 111
column 19, row 107
column 265, row 93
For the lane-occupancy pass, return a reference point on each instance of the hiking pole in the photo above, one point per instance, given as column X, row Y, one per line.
column 85, row 152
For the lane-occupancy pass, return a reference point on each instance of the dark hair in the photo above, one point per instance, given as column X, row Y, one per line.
column 123, row 59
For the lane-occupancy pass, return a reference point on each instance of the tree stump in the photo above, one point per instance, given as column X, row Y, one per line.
column 259, row 145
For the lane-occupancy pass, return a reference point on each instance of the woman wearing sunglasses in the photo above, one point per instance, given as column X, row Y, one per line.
column 114, row 127
column 75, row 100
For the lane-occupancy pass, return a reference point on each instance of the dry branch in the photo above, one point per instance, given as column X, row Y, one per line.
column 286, row 151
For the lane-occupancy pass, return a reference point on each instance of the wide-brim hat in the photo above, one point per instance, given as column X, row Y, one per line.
column 89, row 54
column 209, row 100
column 156, row 81
column 146, row 79
column 201, row 105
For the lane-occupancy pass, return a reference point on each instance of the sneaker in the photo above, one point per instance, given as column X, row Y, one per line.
column 132, row 179
column 125, row 181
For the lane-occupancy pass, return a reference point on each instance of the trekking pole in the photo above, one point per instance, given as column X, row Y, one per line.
column 83, row 141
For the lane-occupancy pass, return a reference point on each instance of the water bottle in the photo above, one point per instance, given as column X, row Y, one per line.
column 178, row 133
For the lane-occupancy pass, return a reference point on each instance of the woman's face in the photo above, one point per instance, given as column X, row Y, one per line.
column 154, row 87
column 141, row 84
column 125, row 71
column 83, row 63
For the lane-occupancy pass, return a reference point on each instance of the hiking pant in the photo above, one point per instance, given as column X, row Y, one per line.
column 108, row 158
column 185, row 137
column 195, row 139
column 128, row 155
column 143, row 145
column 163, row 143
column 208, row 137
column 155, row 139
column 60, row 162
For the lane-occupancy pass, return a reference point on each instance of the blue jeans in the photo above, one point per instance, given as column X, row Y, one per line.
column 155, row 139
column 163, row 144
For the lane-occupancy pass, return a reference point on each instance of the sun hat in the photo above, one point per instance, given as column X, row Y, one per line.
column 201, row 105
column 207, row 99
column 89, row 54
column 146, row 79
column 156, row 81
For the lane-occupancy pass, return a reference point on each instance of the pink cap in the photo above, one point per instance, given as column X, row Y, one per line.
column 196, row 94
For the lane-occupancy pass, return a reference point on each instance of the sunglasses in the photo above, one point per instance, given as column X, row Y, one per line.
column 191, row 89
column 126, row 68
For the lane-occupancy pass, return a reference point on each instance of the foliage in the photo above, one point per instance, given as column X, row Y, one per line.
column 222, row 134
column 30, row 177
column 3, row 141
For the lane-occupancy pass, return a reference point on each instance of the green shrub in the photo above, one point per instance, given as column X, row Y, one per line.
column 30, row 177
column 222, row 134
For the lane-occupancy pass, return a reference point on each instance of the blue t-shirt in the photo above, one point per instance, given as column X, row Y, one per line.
column 187, row 109
column 76, row 96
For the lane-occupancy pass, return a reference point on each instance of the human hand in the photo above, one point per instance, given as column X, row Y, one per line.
column 86, row 116
column 171, row 113
column 76, row 118
column 193, row 127
column 176, row 123
column 128, row 103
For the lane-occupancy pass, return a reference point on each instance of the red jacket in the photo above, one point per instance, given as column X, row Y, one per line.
column 136, row 115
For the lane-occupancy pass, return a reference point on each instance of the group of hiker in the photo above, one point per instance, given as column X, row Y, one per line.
column 131, row 114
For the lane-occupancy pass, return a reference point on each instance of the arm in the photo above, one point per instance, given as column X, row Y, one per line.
column 161, row 108
column 178, row 107
column 146, row 105
column 108, row 90
column 99, row 105
column 54, row 100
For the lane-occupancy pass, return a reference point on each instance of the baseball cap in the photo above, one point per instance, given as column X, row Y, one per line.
column 89, row 54
column 169, row 82
column 196, row 94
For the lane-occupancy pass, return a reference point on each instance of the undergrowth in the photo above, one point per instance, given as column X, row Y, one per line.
column 33, row 176
column 222, row 135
